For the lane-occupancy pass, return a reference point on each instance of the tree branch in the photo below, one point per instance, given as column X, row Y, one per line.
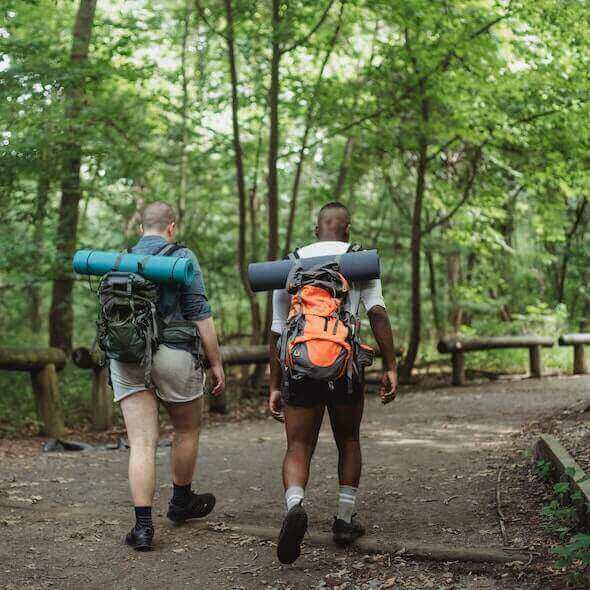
column 443, row 147
column 403, row 208
column 301, row 41
column 466, row 194
column 207, row 22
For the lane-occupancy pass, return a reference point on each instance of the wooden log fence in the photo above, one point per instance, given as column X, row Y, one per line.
column 457, row 347
column 577, row 341
column 42, row 364
column 102, row 397
column 101, row 394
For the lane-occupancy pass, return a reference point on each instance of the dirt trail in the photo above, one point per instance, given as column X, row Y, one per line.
column 431, row 461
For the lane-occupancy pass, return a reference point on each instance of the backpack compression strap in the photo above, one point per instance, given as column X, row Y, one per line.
column 294, row 255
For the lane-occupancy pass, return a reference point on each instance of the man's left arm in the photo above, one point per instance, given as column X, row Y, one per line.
column 372, row 297
column 195, row 307
column 381, row 327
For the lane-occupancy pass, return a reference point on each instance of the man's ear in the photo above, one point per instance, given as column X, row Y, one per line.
column 141, row 228
column 347, row 231
column 316, row 231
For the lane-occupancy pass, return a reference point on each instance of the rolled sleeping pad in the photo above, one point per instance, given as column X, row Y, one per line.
column 159, row 269
column 356, row 266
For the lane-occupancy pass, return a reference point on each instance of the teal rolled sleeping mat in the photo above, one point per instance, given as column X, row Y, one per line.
column 159, row 269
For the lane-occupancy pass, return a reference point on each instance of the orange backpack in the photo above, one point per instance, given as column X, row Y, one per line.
column 320, row 341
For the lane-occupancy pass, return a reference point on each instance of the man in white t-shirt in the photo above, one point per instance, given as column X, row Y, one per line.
column 301, row 406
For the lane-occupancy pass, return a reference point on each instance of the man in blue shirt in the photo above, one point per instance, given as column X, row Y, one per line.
column 178, row 385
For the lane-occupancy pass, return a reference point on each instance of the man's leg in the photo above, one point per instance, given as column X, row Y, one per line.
column 140, row 411
column 186, row 420
column 302, row 426
column 345, row 421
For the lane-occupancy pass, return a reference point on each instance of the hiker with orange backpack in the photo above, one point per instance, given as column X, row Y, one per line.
column 318, row 362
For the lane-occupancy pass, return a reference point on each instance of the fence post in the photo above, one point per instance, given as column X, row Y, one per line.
column 535, row 361
column 102, row 400
column 46, row 391
column 458, row 361
column 579, row 360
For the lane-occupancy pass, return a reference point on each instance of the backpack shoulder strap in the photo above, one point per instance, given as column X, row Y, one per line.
column 294, row 255
column 169, row 249
column 354, row 248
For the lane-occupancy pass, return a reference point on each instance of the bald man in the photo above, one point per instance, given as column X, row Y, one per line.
column 178, row 386
column 302, row 405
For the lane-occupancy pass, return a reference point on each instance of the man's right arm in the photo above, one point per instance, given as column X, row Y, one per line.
column 381, row 327
column 274, row 400
column 280, row 311
column 210, row 343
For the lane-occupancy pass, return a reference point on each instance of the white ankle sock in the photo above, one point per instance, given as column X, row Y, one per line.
column 294, row 495
column 346, row 502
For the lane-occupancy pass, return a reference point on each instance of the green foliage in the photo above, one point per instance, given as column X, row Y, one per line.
column 561, row 518
column 543, row 468
column 495, row 92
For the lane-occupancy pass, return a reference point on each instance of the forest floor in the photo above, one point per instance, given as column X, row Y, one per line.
column 431, row 463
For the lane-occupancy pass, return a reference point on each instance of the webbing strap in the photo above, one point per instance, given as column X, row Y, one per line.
column 118, row 261
column 354, row 248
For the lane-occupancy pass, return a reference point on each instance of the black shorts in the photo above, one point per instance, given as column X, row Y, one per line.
column 308, row 393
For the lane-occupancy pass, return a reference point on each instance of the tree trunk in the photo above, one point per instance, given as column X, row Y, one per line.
column 309, row 120
column 436, row 316
column 183, row 184
column 240, row 179
column 253, row 203
column 36, row 309
column 273, row 152
column 273, row 140
column 344, row 167
column 61, row 316
column 416, row 249
column 453, row 279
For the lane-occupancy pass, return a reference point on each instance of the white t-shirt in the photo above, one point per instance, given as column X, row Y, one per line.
column 369, row 292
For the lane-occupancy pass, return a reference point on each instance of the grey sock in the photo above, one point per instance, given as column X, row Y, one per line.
column 294, row 495
column 346, row 502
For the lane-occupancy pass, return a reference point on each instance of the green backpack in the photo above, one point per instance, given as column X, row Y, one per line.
column 129, row 327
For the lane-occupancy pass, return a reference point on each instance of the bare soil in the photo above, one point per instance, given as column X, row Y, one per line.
column 431, row 465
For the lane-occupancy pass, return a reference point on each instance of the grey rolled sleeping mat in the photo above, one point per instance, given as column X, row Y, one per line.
column 355, row 266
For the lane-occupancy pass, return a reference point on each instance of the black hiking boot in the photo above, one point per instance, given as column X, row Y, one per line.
column 199, row 505
column 292, row 533
column 344, row 533
column 140, row 538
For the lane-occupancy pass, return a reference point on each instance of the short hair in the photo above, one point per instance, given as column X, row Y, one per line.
column 334, row 205
column 157, row 216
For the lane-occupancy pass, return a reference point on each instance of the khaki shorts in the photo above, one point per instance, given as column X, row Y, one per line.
column 174, row 374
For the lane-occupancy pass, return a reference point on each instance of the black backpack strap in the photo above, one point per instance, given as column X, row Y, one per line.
column 293, row 256
column 354, row 248
column 169, row 249
column 118, row 261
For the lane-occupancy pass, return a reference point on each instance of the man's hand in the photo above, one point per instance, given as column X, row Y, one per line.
column 219, row 377
column 388, row 387
column 275, row 405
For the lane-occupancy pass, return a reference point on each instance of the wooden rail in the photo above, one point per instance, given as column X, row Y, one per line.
column 42, row 364
column 101, row 394
column 457, row 347
column 102, row 404
column 577, row 341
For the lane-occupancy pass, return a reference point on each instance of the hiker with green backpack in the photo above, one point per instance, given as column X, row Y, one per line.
column 153, row 337
column 318, row 362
